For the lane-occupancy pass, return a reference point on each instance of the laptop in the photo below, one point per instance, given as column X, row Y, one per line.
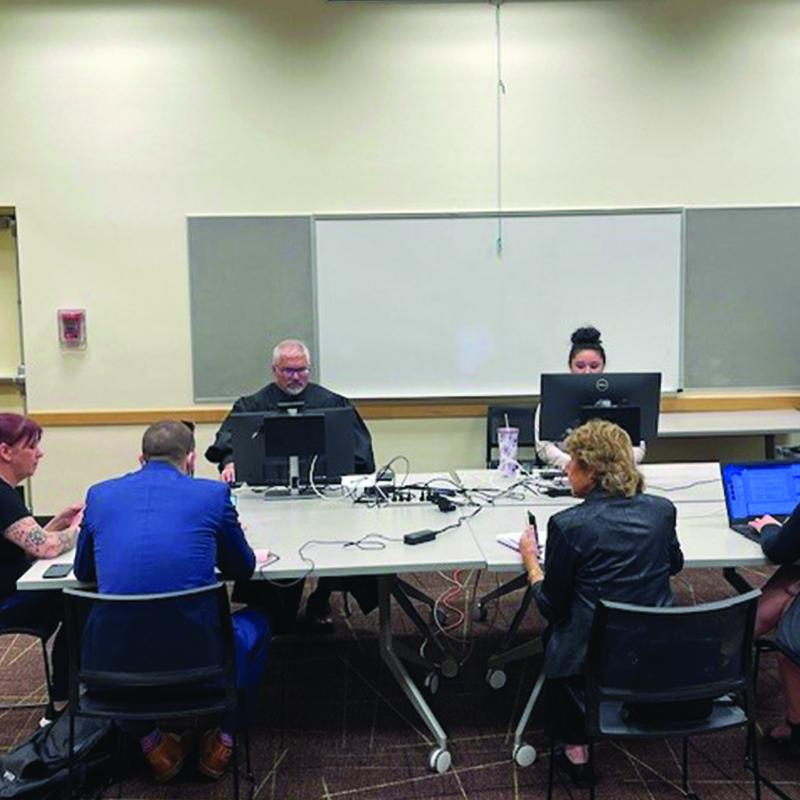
column 757, row 488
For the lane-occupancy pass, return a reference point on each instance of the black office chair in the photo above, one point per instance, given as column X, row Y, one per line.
column 518, row 417
column 11, row 630
column 152, row 657
column 670, row 672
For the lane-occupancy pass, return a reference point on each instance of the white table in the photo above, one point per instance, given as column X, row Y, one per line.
column 326, row 531
column 285, row 526
column 703, row 532
column 689, row 482
column 767, row 423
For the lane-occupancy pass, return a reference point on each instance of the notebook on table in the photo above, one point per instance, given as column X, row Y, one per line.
column 511, row 540
column 756, row 488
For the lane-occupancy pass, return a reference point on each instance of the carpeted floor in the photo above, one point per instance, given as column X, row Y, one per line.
column 335, row 726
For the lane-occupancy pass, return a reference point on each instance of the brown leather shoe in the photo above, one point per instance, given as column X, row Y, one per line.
column 167, row 757
column 214, row 754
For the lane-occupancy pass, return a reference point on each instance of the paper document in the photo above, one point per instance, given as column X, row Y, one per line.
column 512, row 540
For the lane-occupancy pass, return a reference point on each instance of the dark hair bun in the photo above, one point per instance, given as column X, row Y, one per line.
column 586, row 337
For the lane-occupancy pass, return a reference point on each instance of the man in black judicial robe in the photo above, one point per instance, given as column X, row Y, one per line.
column 291, row 369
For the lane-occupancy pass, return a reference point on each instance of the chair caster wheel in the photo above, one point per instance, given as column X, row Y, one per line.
column 524, row 754
column 496, row 678
column 479, row 613
column 439, row 760
column 432, row 682
column 449, row 668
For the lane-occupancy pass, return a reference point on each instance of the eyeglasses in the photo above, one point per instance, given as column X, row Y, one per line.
column 288, row 372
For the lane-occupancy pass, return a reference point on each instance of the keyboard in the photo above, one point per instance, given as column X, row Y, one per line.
column 752, row 533
column 747, row 532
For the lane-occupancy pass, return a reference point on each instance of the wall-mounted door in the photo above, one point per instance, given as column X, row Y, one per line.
column 12, row 396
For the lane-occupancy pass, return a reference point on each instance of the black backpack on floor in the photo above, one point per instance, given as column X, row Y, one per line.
column 37, row 768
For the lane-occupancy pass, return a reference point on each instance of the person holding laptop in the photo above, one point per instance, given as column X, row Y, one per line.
column 586, row 355
column 779, row 608
column 619, row 544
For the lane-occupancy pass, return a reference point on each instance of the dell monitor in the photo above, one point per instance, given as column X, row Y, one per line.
column 278, row 449
column 630, row 399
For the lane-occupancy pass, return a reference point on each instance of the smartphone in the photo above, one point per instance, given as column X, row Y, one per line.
column 58, row 571
column 532, row 523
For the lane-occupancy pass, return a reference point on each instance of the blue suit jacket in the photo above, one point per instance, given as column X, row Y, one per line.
column 158, row 530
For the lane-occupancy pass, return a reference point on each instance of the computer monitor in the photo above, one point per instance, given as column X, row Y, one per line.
column 274, row 448
column 631, row 399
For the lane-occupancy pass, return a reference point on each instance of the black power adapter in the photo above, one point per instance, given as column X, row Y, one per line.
column 418, row 537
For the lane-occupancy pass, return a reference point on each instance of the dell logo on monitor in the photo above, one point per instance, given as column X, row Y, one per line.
column 601, row 385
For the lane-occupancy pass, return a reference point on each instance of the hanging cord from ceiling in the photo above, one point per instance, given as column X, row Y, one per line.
column 501, row 90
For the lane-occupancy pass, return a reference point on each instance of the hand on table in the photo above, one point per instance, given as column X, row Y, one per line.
column 262, row 555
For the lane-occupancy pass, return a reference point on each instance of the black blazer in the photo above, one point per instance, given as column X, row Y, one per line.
column 610, row 548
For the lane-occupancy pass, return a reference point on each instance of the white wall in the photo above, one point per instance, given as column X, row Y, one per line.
column 120, row 119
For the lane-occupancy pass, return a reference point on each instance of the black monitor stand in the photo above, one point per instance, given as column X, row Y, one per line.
column 291, row 436
column 277, row 449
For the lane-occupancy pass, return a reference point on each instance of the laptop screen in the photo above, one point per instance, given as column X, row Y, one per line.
column 768, row 487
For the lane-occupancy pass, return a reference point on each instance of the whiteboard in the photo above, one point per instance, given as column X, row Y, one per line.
column 425, row 307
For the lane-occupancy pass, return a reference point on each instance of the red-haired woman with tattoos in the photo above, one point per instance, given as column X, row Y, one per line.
column 22, row 540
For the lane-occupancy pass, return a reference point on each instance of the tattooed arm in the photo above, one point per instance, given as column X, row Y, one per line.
column 39, row 542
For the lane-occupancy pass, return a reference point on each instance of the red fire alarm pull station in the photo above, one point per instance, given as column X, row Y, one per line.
column 72, row 328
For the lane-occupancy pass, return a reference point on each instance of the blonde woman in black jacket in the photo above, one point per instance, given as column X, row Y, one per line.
column 619, row 544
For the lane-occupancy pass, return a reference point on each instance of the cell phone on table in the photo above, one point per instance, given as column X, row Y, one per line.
column 58, row 571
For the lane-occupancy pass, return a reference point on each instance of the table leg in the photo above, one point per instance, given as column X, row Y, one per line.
column 736, row 580
column 439, row 758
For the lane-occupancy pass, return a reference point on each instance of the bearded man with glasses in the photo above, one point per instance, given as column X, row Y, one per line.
column 291, row 373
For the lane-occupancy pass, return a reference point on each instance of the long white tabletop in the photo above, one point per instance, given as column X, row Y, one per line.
column 327, row 533
column 729, row 423
column 706, row 539
column 689, row 482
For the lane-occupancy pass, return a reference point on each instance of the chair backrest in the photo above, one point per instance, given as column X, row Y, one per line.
column 640, row 654
column 518, row 417
column 154, row 640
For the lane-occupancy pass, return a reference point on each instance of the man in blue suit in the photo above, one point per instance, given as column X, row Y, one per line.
column 161, row 530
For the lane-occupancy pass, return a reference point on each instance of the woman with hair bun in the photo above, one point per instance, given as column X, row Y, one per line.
column 586, row 355
column 618, row 544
